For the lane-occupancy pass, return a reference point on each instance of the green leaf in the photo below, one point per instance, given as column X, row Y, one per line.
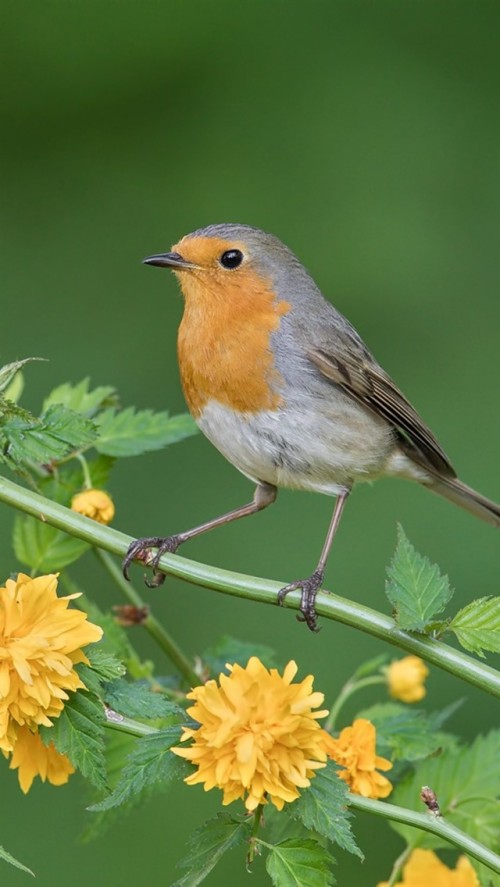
column 405, row 733
column 137, row 700
column 130, row 433
column 78, row 733
column 415, row 587
column 323, row 807
column 209, row 843
column 7, row 857
column 229, row 649
column 467, row 785
column 9, row 371
column 79, row 398
column 42, row 547
column 150, row 763
column 44, row 440
column 299, row 863
column 477, row 626
column 106, row 666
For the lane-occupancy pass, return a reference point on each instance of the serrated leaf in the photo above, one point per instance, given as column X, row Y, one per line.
column 9, row 371
column 103, row 667
column 299, row 863
column 78, row 733
column 7, row 857
column 477, row 626
column 415, row 587
column 323, row 807
column 137, row 700
column 229, row 649
column 42, row 547
column 130, row 433
column 80, row 399
column 151, row 762
column 54, row 435
column 404, row 733
column 209, row 843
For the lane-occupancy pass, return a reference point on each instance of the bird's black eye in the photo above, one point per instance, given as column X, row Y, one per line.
column 232, row 258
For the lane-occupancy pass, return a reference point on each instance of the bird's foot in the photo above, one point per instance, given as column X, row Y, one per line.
column 140, row 550
column 309, row 589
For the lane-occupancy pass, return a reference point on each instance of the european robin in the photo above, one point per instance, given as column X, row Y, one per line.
column 286, row 389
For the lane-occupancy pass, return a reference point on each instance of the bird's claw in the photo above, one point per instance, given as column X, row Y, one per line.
column 309, row 589
column 140, row 550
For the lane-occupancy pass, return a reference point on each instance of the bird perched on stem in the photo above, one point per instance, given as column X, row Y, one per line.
column 285, row 388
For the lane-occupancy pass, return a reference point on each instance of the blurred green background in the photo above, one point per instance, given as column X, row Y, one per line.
column 366, row 135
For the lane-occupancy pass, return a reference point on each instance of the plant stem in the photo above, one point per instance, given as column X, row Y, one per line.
column 122, row 724
column 398, row 865
column 264, row 590
column 151, row 623
column 428, row 823
column 346, row 692
column 252, row 843
column 85, row 468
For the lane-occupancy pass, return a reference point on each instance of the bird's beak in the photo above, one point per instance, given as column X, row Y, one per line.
column 169, row 260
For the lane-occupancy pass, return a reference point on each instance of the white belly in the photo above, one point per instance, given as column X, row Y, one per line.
column 302, row 449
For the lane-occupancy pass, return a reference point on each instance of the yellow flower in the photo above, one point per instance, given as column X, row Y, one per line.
column 95, row 504
column 425, row 869
column 40, row 642
column 32, row 758
column 406, row 678
column 355, row 750
column 258, row 737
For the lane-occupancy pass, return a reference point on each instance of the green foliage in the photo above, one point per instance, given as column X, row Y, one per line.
column 323, row 808
column 151, row 763
column 467, row 784
column 228, row 649
column 299, row 863
column 7, row 857
column 209, row 843
column 139, row 700
column 130, row 433
column 78, row 732
column 416, row 589
column 44, row 440
column 370, row 667
column 477, row 626
column 405, row 733
column 80, row 399
column 10, row 371
column 43, row 548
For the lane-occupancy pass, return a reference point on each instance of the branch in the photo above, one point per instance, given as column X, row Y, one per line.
column 428, row 823
column 253, row 588
column 423, row 821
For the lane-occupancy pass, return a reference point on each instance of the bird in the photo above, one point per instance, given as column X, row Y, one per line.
column 284, row 387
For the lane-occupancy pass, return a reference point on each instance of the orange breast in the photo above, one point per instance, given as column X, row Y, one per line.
column 224, row 341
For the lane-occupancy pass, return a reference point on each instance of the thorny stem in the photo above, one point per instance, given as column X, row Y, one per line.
column 150, row 623
column 253, row 588
column 351, row 687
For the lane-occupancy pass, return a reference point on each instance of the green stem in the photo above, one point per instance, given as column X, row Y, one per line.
column 398, row 865
column 423, row 821
column 85, row 469
column 264, row 590
column 428, row 823
column 346, row 692
column 253, row 840
column 151, row 623
column 122, row 724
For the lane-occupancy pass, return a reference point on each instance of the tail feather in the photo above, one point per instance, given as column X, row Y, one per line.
column 459, row 493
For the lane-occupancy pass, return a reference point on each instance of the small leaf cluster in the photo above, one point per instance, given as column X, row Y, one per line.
column 419, row 593
column 73, row 444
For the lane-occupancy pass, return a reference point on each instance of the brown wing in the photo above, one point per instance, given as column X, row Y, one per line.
column 366, row 382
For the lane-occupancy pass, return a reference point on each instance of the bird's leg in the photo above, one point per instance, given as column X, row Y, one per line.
column 310, row 587
column 140, row 550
